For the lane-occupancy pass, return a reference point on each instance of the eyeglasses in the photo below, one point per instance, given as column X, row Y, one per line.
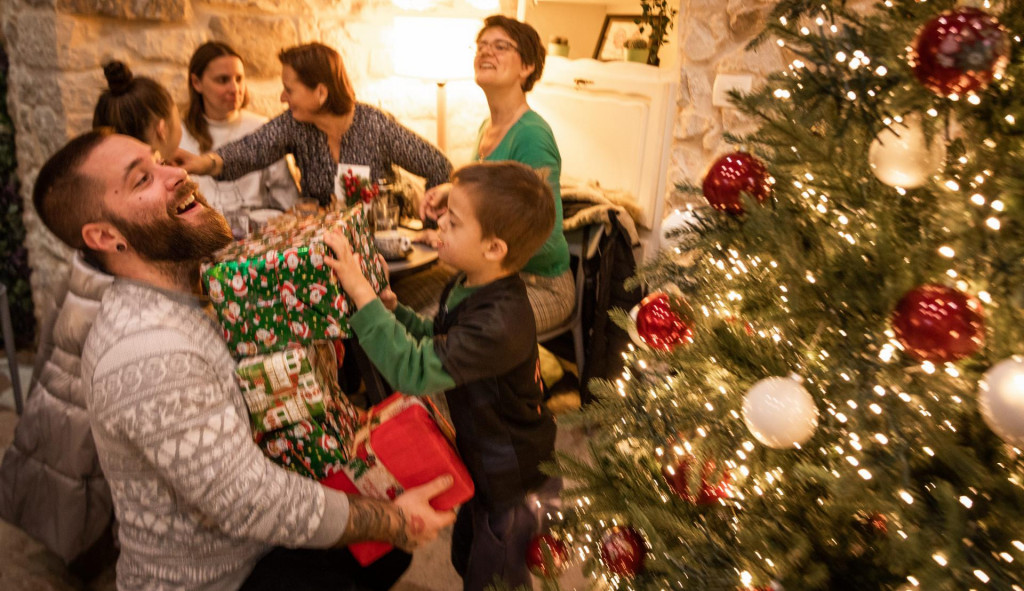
column 499, row 46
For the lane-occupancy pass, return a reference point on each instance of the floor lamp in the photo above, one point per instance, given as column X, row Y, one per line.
column 439, row 50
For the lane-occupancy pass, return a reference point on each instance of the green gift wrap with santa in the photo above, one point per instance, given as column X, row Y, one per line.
column 273, row 288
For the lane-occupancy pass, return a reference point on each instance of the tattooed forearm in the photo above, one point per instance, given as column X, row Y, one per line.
column 372, row 519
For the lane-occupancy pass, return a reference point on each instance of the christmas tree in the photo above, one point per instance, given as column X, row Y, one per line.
column 826, row 390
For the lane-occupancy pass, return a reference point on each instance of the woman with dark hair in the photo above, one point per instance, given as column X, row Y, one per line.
column 217, row 95
column 509, row 61
column 140, row 107
column 326, row 129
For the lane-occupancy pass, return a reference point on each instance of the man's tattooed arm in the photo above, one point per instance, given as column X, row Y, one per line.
column 373, row 519
column 407, row 522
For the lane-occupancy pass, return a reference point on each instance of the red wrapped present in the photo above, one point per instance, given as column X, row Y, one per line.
column 401, row 445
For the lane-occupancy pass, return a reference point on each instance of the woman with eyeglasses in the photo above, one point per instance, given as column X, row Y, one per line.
column 509, row 61
column 326, row 129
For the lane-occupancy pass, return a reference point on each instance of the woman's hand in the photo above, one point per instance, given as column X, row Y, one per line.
column 428, row 237
column 435, row 202
column 202, row 164
column 347, row 269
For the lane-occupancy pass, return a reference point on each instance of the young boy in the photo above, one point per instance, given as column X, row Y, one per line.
column 481, row 349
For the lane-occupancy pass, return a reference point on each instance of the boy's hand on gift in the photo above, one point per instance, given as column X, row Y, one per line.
column 423, row 522
column 388, row 298
column 435, row 202
column 347, row 269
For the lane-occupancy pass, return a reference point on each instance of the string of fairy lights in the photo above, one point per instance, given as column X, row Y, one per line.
column 857, row 429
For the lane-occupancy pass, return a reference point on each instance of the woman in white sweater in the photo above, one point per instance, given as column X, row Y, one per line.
column 217, row 95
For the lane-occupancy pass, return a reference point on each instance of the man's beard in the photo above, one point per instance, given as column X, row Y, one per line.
column 169, row 240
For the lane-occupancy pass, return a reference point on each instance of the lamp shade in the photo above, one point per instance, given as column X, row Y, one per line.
column 434, row 48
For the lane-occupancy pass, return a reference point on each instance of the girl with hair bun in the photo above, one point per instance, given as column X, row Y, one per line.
column 140, row 107
column 217, row 96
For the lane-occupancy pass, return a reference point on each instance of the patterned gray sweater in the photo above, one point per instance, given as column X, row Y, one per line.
column 197, row 502
column 375, row 139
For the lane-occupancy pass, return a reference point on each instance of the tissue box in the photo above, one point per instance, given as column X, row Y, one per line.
column 402, row 444
column 274, row 289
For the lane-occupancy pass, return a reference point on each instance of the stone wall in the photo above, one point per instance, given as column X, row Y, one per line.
column 712, row 40
column 57, row 48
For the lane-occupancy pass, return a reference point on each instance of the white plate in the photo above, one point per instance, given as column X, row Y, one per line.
column 262, row 216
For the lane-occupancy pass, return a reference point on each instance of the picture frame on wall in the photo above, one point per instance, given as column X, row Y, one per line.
column 614, row 32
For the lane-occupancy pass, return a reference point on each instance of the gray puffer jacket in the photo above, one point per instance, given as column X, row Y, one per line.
column 51, row 484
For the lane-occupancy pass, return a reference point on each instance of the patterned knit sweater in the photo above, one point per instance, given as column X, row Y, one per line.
column 196, row 501
column 375, row 139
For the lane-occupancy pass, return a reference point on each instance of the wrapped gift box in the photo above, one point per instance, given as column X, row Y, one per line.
column 300, row 417
column 402, row 444
column 273, row 288
column 280, row 389
column 315, row 448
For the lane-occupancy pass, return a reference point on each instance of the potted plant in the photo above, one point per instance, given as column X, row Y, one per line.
column 558, row 45
column 658, row 15
column 635, row 49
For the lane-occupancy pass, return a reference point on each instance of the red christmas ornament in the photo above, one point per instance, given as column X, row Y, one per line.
column 874, row 524
column 710, row 491
column 659, row 326
column 959, row 51
column 747, row 327
column 535, row 555
column 677, row 475
column 938, row 323
column 623, row 551
column 732, row 174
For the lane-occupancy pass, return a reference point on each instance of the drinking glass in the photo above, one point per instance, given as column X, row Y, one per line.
column 384, row 215
column 306, row 207
column 238, row 221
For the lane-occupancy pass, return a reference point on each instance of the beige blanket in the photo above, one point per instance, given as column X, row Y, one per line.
column 596, row 204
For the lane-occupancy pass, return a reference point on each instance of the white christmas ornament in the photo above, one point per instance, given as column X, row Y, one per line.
column 677, row 227
column 1001, row 399
column 684, row 220
column 633, row 334
column 780, row 413
column 906, row 160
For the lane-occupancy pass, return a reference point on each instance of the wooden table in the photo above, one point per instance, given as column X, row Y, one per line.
column 421, row 257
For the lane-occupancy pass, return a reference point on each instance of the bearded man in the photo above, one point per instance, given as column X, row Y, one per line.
column 197, row 503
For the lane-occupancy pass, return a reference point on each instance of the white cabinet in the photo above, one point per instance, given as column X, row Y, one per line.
column 613, row 124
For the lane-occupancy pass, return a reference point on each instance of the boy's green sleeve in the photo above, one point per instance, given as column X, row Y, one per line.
column 418, row 326
column 408, row 363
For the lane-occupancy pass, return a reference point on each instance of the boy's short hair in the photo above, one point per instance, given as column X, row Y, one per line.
column 512, row 202
column 66, row 199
